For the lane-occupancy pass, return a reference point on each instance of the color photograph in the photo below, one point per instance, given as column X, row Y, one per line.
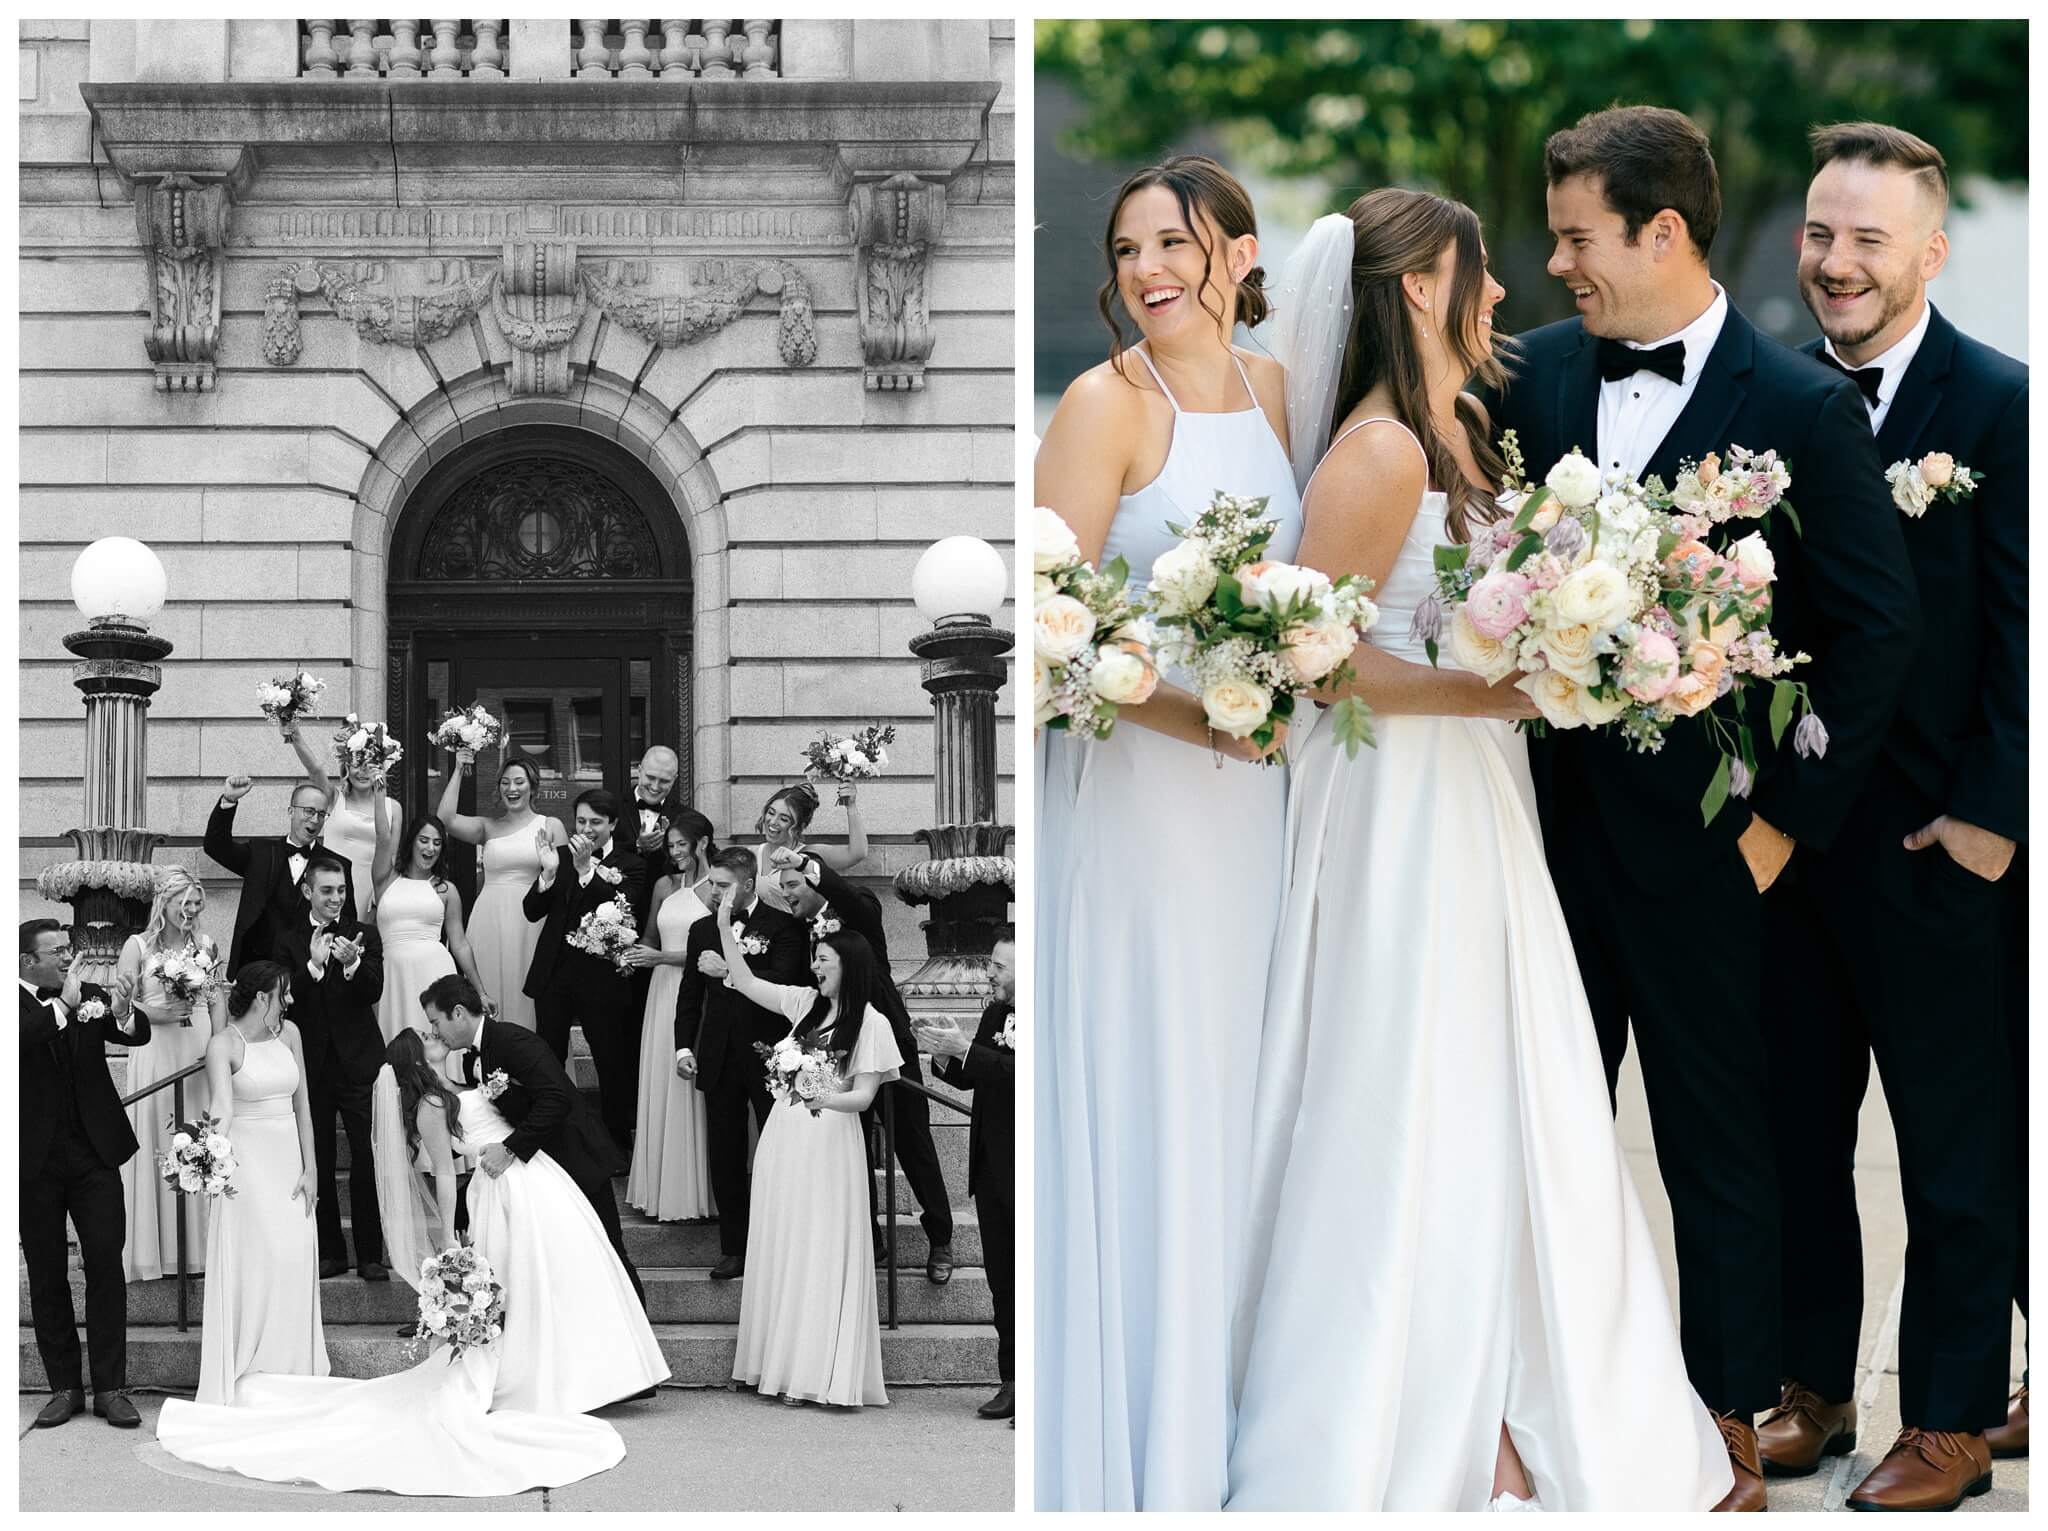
column 1530, row 685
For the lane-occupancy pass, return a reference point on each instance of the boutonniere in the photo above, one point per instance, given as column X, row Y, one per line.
column 91, row 1010
column 1937, row 476
column 495, row 1084
column 753, row 945
column 609, row 874
column 1007, row 1037
column 822, row 926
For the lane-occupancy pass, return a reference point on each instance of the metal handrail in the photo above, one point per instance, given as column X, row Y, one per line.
column 889, row 1166
column 176, row 1084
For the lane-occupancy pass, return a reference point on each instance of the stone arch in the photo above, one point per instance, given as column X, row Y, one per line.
column 477, row 406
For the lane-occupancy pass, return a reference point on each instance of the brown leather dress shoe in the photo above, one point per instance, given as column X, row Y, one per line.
column 1748, row 1493
column 2010, row 1438
column 1926, row 1470
column 1801, row 1430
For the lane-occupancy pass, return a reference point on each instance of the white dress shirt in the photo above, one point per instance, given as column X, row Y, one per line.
column 1895, row 362
column 1638, row 411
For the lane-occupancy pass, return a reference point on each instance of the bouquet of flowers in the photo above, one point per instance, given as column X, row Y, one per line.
column 188, row 976
column 461, row 1301
column 358, row 743
column 200, row 1161
column 1091, row 646
column 1937, row 476
column 471, row 729
column 797, row 1074
column 859, row 757
column 609, row 930
column 1253, row 634
column 291, row 698
column 1605, row 594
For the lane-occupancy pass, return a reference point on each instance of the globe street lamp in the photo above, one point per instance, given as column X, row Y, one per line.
column 118, row 586
column 959, row 585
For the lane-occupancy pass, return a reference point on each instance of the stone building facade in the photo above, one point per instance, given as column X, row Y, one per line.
column 613, row 373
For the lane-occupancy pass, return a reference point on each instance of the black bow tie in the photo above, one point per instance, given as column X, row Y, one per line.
column 1869, row 379
column 1619, row 361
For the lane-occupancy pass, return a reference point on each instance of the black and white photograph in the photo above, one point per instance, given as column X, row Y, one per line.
column 517, row 765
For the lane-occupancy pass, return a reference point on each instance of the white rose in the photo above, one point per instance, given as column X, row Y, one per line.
column 1053, row 543
column 1595, row 596
column 1183, row 578
column 1755, row 564
column 1485, row 657
column 1061, row 628
column 1275, row 585
column 180, row 1141
column 1042, row 588
column 1575, row 481
column 1121, row 677
column 1315, row 649
column 1557, row 696
column 1236, row 707
column 1569, row 648
column 216, row 1144
column 1599, row 711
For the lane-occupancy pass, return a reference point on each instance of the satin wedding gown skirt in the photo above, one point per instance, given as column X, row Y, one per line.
column 501, row 938
column 1158, row 891
column 1444, row 1232
column 499, row 1420
column 409, row 920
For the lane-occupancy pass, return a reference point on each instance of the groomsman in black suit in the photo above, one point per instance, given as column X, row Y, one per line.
column 336, row 965
column 816, row 893
column 724, row 1025
column 74, row 1140
column 654, row 808
column 270, row 867
column 987, row 1065
column 545, row 1108
column 1886, row 942
column 569, row 987
column 1658, row 367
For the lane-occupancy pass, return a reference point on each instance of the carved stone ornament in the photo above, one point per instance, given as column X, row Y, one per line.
column 677, row 319
column 894, row 225
column 538, row 518
column 539, row 298
column 184, row 229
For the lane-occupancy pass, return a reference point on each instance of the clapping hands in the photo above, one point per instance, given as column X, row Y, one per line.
column 943, row 1038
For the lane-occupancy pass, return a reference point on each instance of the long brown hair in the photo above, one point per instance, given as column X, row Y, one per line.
column 1397, row 232
column 418, row 1081
column 1198, row 184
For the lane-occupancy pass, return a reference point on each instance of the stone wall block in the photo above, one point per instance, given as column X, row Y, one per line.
column 803, row 515
column 263, row 50
column 842, row 573
column 755, row 690
column 335, row 461
column 755, row 574
column 924, row 513
column 238, row 631
column 44, row 622
column 276, row 515
column 884, row 689
column 181, row 52
column 62, row 457
column 791, row 630
column 871, row 456
column 77, row 516
column 324, row 573
column 742, row 461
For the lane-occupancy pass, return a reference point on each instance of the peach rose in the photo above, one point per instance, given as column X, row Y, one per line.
column 1060, row 628
column 1314, row 649
column 1122, row 675
column 1937, row 468
column 1696, row 689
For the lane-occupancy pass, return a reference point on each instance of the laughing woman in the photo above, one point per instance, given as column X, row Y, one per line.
column 1159, row 886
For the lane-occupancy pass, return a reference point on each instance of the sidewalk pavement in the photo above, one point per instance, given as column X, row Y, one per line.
column 686, row 1449
column 1882, row 1209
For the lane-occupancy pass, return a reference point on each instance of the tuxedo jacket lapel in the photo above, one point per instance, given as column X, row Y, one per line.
column 1920, row 391
column 1702, row 425
column 1578, row 405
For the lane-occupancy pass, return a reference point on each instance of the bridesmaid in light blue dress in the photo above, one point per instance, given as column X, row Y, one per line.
column 1159, row 885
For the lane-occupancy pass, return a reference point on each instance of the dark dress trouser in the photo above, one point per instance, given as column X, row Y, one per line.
column 75, row 1182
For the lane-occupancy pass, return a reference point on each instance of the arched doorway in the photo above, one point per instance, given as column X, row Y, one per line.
column 544, row 572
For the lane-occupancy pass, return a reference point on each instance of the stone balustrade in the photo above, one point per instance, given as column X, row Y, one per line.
column 595, row 50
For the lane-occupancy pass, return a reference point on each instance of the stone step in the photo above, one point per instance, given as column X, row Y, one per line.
column 657, row 1246
column 698, row 1355
column 674, row 1296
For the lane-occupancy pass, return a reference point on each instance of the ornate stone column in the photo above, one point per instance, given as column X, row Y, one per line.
column 969, row 879
column 111, row 883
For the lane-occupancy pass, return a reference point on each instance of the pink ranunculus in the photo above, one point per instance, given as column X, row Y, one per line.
column 1652, row 666
column 1498, row 604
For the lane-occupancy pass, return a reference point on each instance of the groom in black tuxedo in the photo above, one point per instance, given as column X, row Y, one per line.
column 545, row 1108
column 724, row 1025
column 570, row 987
column 336, row 963
column 270, row 867
column 1660, row 367
column 74, row 1140
column 1914, row 873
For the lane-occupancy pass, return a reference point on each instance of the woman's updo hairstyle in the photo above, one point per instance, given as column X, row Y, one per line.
column 255, row 978
column 1198, row 183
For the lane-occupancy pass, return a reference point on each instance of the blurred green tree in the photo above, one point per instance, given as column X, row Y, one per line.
column 1463, row 107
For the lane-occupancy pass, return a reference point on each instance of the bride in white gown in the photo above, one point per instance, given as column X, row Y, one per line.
column 1453, row 1298
column 501, row 1419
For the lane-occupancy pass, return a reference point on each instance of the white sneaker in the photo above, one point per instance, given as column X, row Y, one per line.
column 1506, row 1502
